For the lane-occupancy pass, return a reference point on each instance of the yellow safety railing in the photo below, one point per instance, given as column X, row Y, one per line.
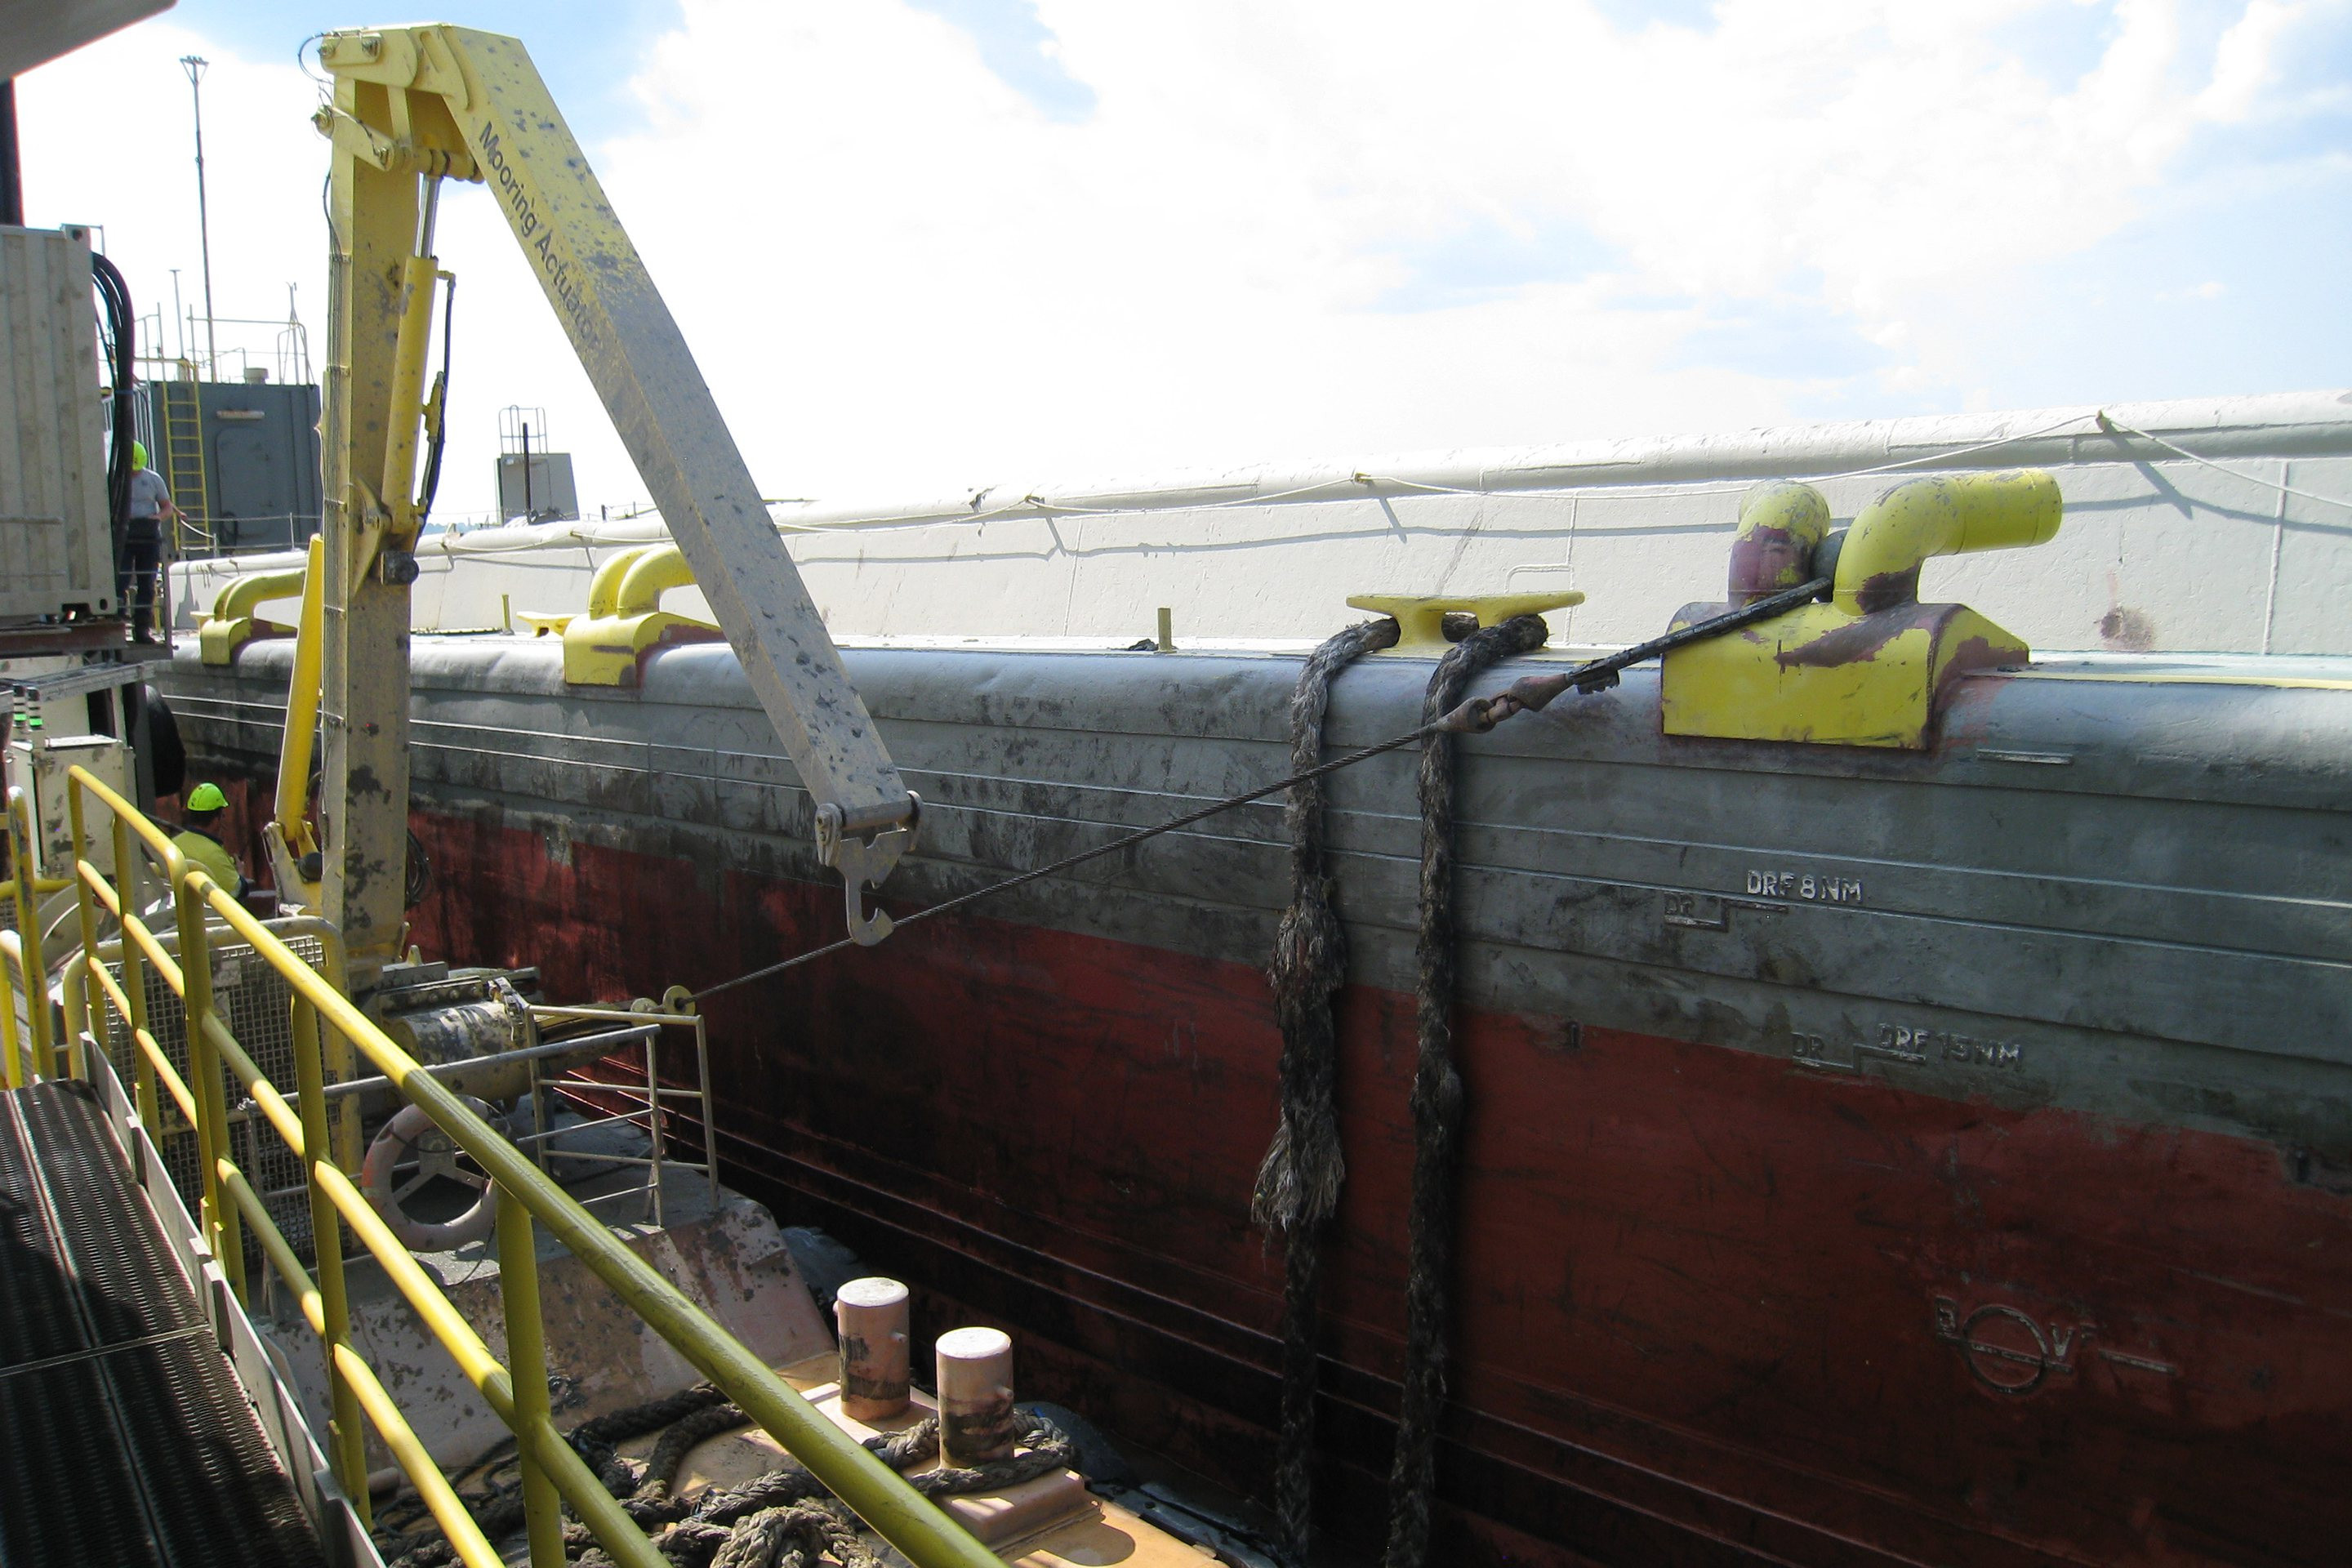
column 552, row 1473
column 20, row 952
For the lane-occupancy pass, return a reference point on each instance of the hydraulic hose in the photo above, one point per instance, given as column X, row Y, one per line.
column 440, row 411
column 120, row 325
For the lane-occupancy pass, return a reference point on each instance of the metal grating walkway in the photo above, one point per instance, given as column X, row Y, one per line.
column 125, row 1438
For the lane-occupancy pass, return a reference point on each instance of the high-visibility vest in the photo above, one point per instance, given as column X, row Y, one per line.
column 208, row 852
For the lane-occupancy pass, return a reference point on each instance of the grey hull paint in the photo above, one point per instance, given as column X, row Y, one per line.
column 2130, row 896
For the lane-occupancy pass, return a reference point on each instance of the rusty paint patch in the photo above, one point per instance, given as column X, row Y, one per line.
column 1858, row 641
column 2126, row 630
column 1970, row 655
column 1886, row 590
column 1766, row 560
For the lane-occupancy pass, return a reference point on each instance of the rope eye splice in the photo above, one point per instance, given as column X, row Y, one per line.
column 1532, row 693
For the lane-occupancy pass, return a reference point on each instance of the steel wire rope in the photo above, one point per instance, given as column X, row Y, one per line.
column 1032, row 504
column 1475, row 716
column 1740, row 486
column 1068, row 861
column 1038, row 506
column 2280, row 485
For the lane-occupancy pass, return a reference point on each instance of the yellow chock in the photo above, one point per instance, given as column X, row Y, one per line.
column 624, row 620
column 1420, row 621
column 1873, row 666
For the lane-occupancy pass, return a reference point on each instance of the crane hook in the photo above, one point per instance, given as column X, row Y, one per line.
column 864, row 863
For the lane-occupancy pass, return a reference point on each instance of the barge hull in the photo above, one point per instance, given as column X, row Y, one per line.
column 1709, row 1302
column 2008, row 1227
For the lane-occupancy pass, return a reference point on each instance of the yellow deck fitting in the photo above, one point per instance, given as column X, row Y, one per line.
column 231, row 623
column 625, row 616
column 1420, row 621
column 1871, row 666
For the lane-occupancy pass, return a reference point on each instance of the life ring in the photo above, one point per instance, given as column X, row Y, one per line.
column 412, row 1134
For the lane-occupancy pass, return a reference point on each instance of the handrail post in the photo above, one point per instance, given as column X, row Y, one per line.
column 35, row 968
column 74, row 979
column 527, row 1371
column 341, row 1058
column 346, row 1441
column 92, row 1007
column 222, row 1228
column 134, row 978
column 709, row 1115
column 12, row 1047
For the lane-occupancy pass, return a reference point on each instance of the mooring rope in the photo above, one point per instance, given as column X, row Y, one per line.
column 593, row 1440
column 1437, row 1099
column 1298, row 1182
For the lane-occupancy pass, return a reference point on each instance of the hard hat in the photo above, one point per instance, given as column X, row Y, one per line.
column 207, row 797
column 138, row 454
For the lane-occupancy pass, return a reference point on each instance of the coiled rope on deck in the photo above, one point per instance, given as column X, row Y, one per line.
column 782, row 1519
column 1298, row 1182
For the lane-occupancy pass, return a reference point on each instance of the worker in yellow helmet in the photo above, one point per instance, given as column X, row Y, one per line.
column 141, row 556
column 199, row 838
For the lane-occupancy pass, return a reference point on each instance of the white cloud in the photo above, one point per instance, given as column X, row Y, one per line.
column 901, row 276
column 107, row 140
column 2244, row 60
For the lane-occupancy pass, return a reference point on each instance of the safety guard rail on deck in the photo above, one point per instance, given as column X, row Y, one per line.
column 552, row 1473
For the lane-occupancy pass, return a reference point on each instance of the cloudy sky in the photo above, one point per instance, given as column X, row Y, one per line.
column 920, row 245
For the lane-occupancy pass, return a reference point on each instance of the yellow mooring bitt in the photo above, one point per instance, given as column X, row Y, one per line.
column 232, row 623
column 624, row 618
column 1871, row 666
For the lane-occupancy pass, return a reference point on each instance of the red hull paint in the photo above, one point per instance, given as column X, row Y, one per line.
column 1712, row 1307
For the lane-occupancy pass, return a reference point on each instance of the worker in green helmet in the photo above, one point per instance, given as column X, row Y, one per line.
column 199, row 838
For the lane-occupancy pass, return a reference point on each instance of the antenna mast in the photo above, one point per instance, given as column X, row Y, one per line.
column 195, row 65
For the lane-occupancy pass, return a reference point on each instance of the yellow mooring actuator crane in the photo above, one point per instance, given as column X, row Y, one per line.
column 413, row 107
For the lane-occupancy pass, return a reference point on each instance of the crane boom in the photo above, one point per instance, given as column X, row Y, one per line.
column 416, row 105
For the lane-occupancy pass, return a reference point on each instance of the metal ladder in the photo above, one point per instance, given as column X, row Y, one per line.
column 183, row 467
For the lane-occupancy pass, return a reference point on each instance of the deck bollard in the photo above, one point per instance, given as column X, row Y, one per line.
column 975, row 1368
column 871, row 1315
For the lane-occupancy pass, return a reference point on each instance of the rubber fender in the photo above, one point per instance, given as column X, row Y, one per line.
column 1098, row 1459
column 824, row 1264
column 167, row 757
